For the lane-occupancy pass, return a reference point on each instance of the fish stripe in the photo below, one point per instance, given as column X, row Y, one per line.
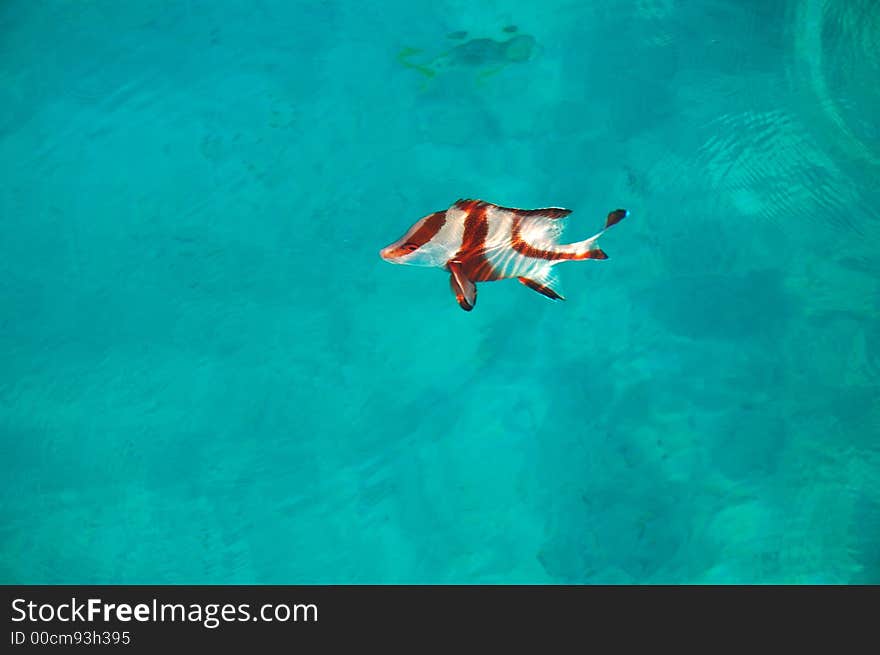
column 527, row 250
column 428, row 230
column 472, row 253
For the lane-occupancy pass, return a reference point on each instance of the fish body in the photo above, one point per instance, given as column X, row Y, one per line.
column 477, row 241
column 487, row 52
column 484, row 54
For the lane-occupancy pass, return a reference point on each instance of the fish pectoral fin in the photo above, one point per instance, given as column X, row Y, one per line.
column 543, row 289
column 463, row 287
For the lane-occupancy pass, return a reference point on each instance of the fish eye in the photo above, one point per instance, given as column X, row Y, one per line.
column 410, row 247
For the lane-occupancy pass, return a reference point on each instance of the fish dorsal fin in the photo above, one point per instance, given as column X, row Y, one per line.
column 544, row 212
column 463, row 287
column 466, row 204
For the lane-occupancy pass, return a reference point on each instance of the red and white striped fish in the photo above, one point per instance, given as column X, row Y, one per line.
column 477, row 241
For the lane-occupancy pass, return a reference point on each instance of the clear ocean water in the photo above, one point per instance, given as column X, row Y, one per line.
column 208, row 375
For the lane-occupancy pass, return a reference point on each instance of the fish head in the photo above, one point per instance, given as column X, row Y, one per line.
column 418, row 247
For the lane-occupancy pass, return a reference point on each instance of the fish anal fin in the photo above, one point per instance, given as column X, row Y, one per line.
column 463, row 287
column 543, row 289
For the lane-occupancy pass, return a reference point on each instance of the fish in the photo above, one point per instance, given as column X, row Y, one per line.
column 485, row 55
column 477, row 241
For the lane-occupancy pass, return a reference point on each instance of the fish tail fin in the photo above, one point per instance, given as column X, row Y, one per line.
column 615, row 217
column 589, row 248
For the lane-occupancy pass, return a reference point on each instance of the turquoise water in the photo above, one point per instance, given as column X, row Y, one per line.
column 208, row 375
